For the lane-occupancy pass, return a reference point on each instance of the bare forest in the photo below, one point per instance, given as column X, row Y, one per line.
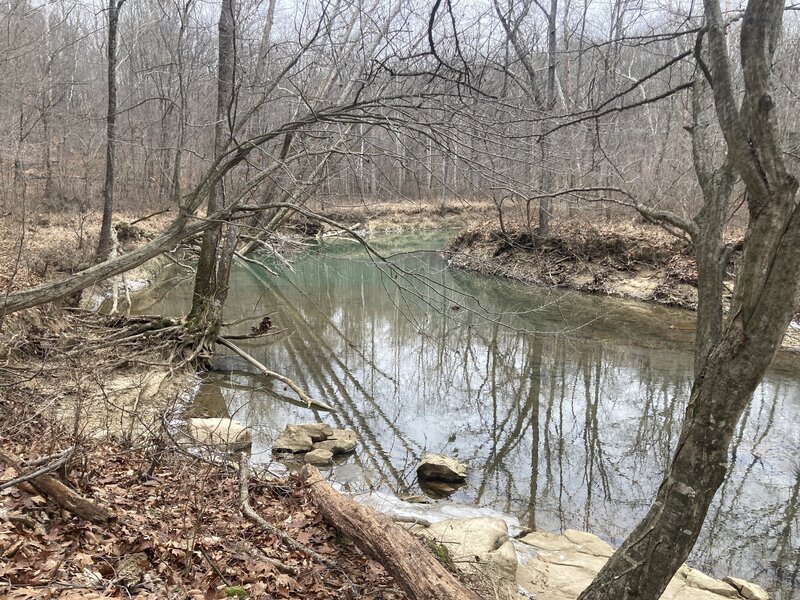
column 564, row 137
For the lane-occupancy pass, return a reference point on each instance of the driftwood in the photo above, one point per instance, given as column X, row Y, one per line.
column 309, row 401
column 404, row 557
column 65, row 497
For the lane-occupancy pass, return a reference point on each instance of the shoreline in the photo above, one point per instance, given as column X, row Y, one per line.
column 659, row 271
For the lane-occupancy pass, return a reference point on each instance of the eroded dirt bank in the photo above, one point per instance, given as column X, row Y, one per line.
column 639, row 262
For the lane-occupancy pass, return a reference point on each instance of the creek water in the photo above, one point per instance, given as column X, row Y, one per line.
column 565, row 406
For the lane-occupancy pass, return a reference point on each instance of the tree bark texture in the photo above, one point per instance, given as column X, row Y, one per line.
column 765, row 297
column 105, row 242
column 404, row 557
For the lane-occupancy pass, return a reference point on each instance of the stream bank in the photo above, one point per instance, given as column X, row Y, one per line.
column 632, row 261
column 639, row 262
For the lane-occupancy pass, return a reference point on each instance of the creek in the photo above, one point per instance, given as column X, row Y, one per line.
column 565, row 406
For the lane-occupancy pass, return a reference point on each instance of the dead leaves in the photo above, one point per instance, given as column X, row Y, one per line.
column 180, row 535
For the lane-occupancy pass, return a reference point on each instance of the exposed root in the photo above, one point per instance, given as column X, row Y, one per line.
column 283, row 379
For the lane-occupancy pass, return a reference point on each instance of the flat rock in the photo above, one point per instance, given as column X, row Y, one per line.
column 746, row 589
column 590, row 543
column 340, row 441
column 441, row 468
column 479, row 544
column 292, row 439
column 560, row 567
column 701, row 581
column 319, row 457
column 220, row 432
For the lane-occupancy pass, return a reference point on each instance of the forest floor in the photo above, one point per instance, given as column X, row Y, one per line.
column 178, row 532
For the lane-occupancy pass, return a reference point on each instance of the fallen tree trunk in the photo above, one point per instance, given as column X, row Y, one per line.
column 404, row 557
column 65, row 497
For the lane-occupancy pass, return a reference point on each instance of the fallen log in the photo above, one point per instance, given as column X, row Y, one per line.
column 404, row 557
column 65, row 497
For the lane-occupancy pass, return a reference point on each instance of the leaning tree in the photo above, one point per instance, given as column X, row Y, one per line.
column 734, row 350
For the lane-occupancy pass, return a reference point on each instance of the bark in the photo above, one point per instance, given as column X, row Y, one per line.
column 712, row 255
column 105, row 242
column 219, row 240
column 404, row 557
column 765, row 297
column 65, row 497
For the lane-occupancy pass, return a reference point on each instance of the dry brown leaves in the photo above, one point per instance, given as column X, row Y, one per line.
column 179, row 535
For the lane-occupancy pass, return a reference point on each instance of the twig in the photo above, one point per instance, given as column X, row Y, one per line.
column 259, row 555
column 150, row 216
column 241, row 256
column 213, row 565
column 283, row 379
column 247, row 511
column 65, row 456
column 35, row 462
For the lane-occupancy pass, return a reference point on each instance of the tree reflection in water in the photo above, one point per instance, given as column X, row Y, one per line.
column 565, row 406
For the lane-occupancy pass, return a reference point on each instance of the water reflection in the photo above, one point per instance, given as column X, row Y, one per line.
column 566, row 429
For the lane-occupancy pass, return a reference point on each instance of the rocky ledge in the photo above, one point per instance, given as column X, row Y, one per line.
column 553, row 566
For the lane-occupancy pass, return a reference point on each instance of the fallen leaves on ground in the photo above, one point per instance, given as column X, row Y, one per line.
column 179, row 535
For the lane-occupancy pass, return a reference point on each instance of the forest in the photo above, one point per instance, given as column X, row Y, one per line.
column 186, row 185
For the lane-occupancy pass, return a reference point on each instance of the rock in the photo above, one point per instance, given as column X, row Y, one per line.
column 292, row 439
column 317, row 431
column 560, row 567
column 316, row 436
column 748, row 590
column 546, row 541
column 590, row 543
column 319, row 457
column 415, row 499
column 340, row 441
column 701, row 581
column 441, row 468
column 439, row 489
column 226, row 433
column 476, row 545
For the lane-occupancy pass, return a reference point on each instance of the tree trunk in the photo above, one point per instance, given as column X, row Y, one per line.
column 105, row 243
column 547, row 158
column 219, row 240
column 404, row 557
column 765, row 296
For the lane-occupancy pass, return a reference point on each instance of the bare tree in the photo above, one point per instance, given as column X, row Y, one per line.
column 735, row 352
column 104, row 244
